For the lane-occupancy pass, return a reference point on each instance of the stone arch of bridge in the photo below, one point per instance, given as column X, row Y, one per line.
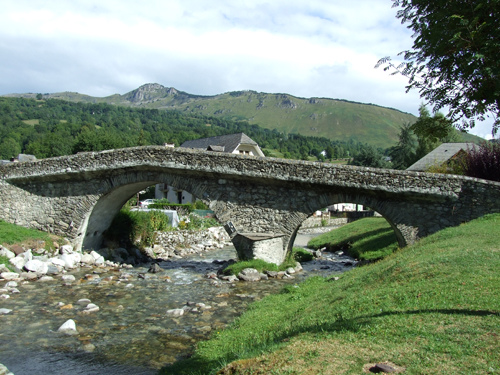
column 124, row 186
column 380, row 206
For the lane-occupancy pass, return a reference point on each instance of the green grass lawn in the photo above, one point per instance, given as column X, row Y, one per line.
column 365, row 239
column 430, row 308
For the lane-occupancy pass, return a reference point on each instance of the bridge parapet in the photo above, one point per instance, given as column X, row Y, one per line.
column 89, row 164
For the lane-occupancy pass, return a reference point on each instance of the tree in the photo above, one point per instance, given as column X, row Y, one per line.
column 431, row 131
column 404, row 153
column 9, row 148
column 454, row 59
column 330, row 152
column 369, row 156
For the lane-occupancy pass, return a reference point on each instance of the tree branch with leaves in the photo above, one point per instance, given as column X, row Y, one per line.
column 454, row 61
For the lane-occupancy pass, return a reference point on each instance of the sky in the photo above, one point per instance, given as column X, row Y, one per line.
column 303, row 48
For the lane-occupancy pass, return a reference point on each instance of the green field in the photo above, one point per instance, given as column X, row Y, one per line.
column 430, row 308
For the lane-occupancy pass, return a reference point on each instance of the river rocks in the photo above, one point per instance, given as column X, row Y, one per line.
column 45, row 279
column 230, row 278
column 70, row 260
column 181, row 243
column 190, row 307
column 9, row 276
column 88, row 348
column 29, row 276
column 68, row 328
column 87, row 259
column 4, row 370
column 6, row 252
column 18, row 262
column 58, row 262
column 98, row 258
column 66, row 249
column 175, row 312
column 68, row 278
column 16, row 249
column 155, row 268
column 37, row 266
column 249, row 274
column 90, row 308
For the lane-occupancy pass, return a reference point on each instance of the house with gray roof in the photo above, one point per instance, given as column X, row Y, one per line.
column 238, row 143
column 440, row 155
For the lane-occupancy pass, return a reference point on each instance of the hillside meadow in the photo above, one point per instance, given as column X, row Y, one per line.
column 430, row 308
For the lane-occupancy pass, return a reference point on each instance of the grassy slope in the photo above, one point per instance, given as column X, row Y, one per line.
column 12, row 234
column 333, row 119
column 365, row 239
column 431, row 308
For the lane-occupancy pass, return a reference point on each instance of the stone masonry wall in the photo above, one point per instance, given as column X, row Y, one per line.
column 77, row 195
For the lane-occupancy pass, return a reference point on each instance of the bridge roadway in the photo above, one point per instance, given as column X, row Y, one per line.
column 261, row 201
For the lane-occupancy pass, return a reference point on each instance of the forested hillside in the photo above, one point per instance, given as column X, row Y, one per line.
column 337, row 120
column 53, row 127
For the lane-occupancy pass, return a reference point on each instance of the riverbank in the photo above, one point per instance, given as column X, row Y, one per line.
column 429, row 308
column 129, row 320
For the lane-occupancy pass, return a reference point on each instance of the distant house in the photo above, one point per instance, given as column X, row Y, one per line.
column 21, row 158
column 442, row 154
column 239, row 143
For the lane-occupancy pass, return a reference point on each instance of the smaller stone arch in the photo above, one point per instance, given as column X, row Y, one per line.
column 404, row 234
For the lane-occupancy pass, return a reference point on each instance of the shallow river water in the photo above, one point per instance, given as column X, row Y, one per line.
column 132, row 332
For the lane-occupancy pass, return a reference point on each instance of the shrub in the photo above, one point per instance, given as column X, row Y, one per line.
column 451, row 167
column 137, row 227
column 483, row 161
column 199, row 205
column 198, row 222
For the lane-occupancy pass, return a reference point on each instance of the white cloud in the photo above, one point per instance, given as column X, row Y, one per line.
column 313, row 48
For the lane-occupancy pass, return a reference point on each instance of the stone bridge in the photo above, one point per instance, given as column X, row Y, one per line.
column 261, row 201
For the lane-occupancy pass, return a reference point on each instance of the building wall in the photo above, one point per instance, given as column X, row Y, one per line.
column 248, row 150
column 164, row 191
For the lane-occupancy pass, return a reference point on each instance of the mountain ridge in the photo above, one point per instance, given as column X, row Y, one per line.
column 335, row 119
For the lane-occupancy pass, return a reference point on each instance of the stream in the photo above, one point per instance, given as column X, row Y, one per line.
column 132, row 333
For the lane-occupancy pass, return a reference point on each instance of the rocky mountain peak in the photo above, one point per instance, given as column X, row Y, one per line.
column 149, row 92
